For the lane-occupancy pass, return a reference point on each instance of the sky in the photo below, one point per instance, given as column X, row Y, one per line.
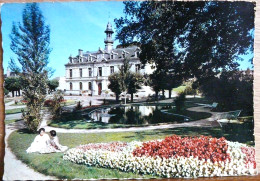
column 73, row 25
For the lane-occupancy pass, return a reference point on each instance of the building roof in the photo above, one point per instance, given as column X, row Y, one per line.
column 100, row 55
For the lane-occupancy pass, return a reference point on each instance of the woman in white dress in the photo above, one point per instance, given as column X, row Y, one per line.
column 55, row 142
column 41, row 143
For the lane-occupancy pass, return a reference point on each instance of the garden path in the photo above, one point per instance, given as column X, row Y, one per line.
column 8, row 106
column 209, row 122
column 14, row 169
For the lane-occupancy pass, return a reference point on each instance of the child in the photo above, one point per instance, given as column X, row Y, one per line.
column 55, row 142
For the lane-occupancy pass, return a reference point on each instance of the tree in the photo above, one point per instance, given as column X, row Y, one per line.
column 232, row 90
column 134, row 84
column 52, row 85
column 30, row 42
column 55, row 106
column 125, row 80
column 188, row 39
column 114, row 84
column 13, row 84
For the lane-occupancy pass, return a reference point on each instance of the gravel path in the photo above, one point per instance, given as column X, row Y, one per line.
column 8, row 106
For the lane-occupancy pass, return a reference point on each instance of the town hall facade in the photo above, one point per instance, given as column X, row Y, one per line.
column 88, row 72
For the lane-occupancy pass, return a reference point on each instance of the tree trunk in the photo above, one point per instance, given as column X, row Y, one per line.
column 117, row 97
column 163, row 92
column 19, row 92
column 13, row 93
column 132, row 97
column 156, row 95
column 170, row 93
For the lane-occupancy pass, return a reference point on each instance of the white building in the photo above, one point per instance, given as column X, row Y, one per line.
column 88, row 72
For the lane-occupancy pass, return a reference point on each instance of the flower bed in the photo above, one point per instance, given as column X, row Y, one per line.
column 172, row 157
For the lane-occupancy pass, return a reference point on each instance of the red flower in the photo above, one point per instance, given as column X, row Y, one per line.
column 203, row 147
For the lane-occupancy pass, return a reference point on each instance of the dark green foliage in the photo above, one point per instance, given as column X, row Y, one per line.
column 6, row 92
column 187, row 39
column 13, row 84
column 180, row 102
column 233, row 90
column 55, row 106
column 78, row 106
column 135, row 82
column 52, row 85
column 125, row 81
column 30, row 42
column 114, row 84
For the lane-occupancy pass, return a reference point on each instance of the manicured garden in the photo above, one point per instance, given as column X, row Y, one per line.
column 77, row 120
column 53, row 164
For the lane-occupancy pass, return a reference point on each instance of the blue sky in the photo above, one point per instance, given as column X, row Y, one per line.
column 74, row 25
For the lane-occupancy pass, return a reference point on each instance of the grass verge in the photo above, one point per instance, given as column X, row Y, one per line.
column 10, row 121
column 14, row 111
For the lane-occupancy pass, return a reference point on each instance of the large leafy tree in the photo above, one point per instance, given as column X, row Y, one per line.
column 135, row 82
column 13, row 84
column 30, row 42
column 114, row 84
column 125, row 81
column 232, row 90
column 52, row 85
column 188, row 39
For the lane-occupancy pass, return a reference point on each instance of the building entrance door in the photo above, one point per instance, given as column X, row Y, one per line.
column 99, row 88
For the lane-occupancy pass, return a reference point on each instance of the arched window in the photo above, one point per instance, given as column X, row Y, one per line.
column 71, row 86
column 70, row 73
column 80, row 86
column 89, row 86
column 80, row 72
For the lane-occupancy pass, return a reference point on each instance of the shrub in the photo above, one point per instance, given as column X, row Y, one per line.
column 6, row 92
column 180, row 101
column 48, row 103
column 55, row 105
column 78, row 106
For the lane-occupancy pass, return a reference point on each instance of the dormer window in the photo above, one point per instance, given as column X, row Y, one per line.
column 137, row 54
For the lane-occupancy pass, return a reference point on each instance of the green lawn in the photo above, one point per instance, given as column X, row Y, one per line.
column 53, row 164
column 193, row 115
column 69, row 102
column 13, row 111
column 8, row 100
column 11, row 121
column 180, row 88
column 18, row 104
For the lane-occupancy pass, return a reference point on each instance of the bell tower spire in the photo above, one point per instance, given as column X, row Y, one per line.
column 109, row 41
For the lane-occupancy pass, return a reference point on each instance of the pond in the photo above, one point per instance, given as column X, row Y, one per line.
column 134, row 115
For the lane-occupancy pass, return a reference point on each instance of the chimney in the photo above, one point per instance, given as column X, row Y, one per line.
column 80, row 52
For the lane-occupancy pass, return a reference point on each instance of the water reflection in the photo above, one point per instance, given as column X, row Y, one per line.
column 133, row 115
